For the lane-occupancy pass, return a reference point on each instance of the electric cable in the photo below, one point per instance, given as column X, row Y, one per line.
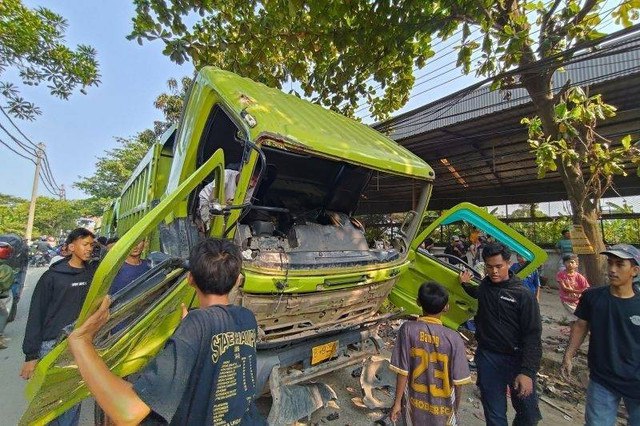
column 16, row 152
column 364, row 105
column 455, row 97
column 32, row 152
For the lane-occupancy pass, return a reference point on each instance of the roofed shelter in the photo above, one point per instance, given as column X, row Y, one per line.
column 478, row 149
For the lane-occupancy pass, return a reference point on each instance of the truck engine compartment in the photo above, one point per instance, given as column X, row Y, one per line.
column 316, row 228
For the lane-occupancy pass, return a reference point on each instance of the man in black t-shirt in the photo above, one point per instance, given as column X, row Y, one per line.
column 206, row 373
column 612, row 315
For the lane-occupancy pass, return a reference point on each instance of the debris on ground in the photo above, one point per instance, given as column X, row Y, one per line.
column 333, row 416
column 561, row 399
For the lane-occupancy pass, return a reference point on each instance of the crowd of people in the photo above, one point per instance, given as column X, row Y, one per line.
column 179, row 385
column 508, row 331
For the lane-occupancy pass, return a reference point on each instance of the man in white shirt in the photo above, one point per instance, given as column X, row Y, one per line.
column 231, row 178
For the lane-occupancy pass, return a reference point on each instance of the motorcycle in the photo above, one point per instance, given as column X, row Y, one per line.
column 14, row 252
column 39, row 259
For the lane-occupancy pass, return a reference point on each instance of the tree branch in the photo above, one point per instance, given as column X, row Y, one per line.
column 562, row 91
column 545, row 22
column 588, row 7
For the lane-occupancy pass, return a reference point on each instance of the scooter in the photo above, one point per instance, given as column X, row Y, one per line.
column 39, row 259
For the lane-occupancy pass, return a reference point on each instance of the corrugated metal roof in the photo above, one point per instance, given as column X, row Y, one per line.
column 478, row 148
column 456, row 108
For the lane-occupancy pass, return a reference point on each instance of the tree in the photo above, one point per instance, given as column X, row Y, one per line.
column 317, row 44
column 114, row 168
column 171, row 103
column 32, row 45
column 544, row 233
column 568, row 141
column 336, row 51
column 52, row 215
column 13, row 214
column 621, row 230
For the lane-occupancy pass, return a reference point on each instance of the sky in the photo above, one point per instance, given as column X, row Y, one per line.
column 78, row 130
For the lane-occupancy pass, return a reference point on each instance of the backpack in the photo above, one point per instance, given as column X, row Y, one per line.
column 7, row 277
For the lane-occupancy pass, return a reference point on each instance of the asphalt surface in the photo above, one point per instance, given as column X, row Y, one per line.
column 12, row 400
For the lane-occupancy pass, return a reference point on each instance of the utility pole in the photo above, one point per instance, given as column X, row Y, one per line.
column 63, row 192
column 34, row 192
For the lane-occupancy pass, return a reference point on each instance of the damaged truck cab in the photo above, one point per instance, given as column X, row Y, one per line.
column 312, row 279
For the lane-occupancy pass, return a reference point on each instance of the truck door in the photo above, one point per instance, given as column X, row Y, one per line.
column 141, row 320
column 434, row 265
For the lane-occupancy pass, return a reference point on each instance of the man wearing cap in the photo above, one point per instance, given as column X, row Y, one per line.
column 612, row 315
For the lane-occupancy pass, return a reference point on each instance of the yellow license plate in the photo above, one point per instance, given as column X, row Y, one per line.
column 323, row 352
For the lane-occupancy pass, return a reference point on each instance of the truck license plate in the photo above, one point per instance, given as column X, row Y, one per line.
column 323, row 352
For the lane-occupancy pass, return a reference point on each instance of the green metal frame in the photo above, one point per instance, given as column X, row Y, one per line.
column 427, row 268
column 56, row 385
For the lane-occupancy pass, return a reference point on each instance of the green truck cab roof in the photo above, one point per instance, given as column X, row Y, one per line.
column 269, row 113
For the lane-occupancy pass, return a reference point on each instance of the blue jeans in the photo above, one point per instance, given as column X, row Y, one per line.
column 496, row 371
column 71, row 417
column 602, row 406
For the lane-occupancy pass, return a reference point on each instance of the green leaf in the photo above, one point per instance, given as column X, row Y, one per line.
column 561, row 110
column 626, row 142
column 465, row 31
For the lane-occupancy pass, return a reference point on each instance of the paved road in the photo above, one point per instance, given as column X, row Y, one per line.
column 12, row 401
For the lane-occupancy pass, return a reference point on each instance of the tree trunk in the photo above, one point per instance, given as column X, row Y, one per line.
column 585, row 210
column 595, row 265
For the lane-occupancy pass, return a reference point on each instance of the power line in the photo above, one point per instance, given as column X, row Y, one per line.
column 45, row 180
column 18, row 142
column 365, row 104
column 18, row 129
column 48, row 174
column 428, row 120
column 16, row 152
column 449, row 102
column 47, row 187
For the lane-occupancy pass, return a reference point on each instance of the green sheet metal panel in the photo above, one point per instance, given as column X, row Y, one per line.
column 308, row 126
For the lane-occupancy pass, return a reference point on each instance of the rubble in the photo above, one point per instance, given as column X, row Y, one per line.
column 561, row 399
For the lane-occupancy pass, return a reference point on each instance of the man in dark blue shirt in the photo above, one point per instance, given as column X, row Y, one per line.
column 132, row 268
column 206, row 373
column 612, row 315
column 531, row 281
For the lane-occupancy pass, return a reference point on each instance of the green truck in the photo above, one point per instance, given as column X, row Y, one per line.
column 313, row 281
